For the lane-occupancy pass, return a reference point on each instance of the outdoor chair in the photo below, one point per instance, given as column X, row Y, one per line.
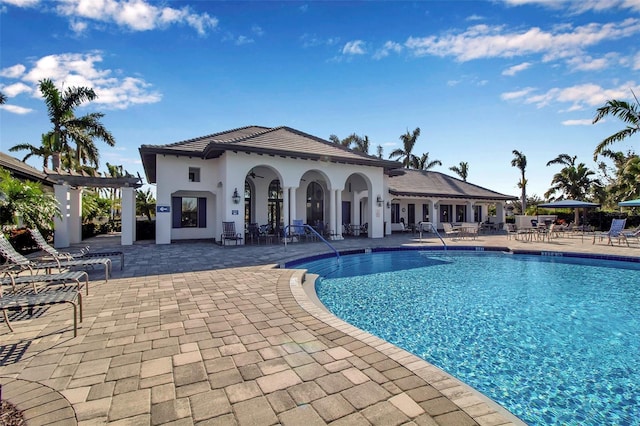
column 84, row 252
column 253, row 232
column 27, row 298
column 38, row 281
column 616, row 231
column 634, row 233
column 449, row 231
column 296, row 230
column 21, row 263
column 229, row 233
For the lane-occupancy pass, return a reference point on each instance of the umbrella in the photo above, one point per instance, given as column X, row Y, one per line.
column 570, row 204
column 630, row 203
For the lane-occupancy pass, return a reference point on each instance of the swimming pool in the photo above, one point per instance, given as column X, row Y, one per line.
column 555, row 340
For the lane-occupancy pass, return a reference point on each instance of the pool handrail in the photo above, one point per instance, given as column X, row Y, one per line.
column 313, row 231
column 429, row 227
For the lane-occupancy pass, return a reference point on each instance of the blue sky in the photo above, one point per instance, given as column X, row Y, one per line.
column 480, row 78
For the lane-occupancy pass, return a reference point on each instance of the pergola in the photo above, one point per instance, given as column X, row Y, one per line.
column 68, row 191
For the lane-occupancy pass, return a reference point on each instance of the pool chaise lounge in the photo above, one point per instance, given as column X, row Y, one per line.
column 22, row 264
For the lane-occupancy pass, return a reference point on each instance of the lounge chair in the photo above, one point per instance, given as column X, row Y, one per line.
column 44, row 280
column 229, row 233
column 27, row 298
column 21, row 263
column 84, row 253
column 634, row 233
column 449, row 231
column 616, row 231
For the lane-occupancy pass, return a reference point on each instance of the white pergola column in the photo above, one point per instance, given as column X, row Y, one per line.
column 332, row 213
column 499, row 212
column 469, row 211
column 286, row 207
column 61, row 224
column 433, row 214
column 339, row 220
column 74, row 224
column 292, row 203
column 128, row 215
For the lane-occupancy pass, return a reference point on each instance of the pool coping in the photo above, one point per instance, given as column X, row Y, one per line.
column 460, row 393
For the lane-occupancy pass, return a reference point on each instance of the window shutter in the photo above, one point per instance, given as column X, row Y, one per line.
column 202, row 212
column 176, row 211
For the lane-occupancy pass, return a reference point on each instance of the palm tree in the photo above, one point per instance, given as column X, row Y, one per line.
column 627, row 112
column 379, row 151
column 360, row 144
column 572, row 182
column 461, row 170
column 423, row 163
column 405, row 153
column 45, row 150
column 114, row 196
column 145, row 203
column 3, row 98
column 67, row 128
column 520, row 161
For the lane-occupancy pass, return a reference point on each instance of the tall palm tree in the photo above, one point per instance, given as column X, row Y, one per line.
column 379, row 151
column 145, row 203
column 3, row 98
column 629, row 113
column 45, row 150
column 520, row 161
column 423, row 163
column 461, row 170
column 115, row 172
column 67, row 128
column 360, row 144
column 406, row 152
column 572, row 182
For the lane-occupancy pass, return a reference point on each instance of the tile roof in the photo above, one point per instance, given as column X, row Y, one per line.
column 22, row 170
column 275, row 141
column 408, row 182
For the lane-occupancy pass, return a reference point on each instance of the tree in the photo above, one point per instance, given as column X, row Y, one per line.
column 572, row 181
column 625, row 111
column 406, row 152
column 379, row 151
column 26, row 202
column 423, row 163
column 67, row 128
column 145, row 203
column 461, row 170
column 520, row 161
column 360, row 144
column 3, row 98
column 114, row 193
column 45, row 150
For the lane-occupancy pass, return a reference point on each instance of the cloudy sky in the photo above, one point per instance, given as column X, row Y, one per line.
column 480, row 78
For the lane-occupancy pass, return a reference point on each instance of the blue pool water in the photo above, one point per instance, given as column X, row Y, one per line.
column 555, row 340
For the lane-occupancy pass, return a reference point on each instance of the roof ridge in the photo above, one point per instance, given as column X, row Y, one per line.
column 212, row 135
column 423, row 172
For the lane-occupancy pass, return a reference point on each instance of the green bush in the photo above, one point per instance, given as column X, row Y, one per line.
column 146, row 230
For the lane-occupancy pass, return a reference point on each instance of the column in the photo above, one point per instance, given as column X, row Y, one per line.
column 75, row 216
column 61, row 224
column 433, row 213
column 292, row 203
column 339, row 220
column 500, row 213
column 285, row 208
column 332, row 214
column 128, row 215
column 470, row 212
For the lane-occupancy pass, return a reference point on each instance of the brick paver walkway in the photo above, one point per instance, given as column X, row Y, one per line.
column 193, row 333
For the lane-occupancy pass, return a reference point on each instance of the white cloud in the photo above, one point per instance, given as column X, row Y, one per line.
column 578, row 97
column 581, row 122
column 580, row 6
column 311, row 40
column 257, row 30
column 13, row 71
column 355, row 47
column 82, row 70
column 588, row 63
column 21, row 3
column 16, row 109
column 511, row 71
column 134, row 15
column 388, row 47
column 13, row 90
column 483, row 41
column 516, row 94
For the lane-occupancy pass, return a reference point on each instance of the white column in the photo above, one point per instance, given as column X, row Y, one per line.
column 499, row 212
column 75, row 216
column 332, row 214
column 469, row 211
column 61, row 224
column 286, row 207
column 433, row 213
column 292, row 203
column 128, row 215
column 339, row 214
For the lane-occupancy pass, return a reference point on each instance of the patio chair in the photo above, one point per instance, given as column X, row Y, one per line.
column 84, row 252
column 616, row 231
column 634, row 233
column 229, row 233
column 449, row 231
column 39, row 281
column 253, row 232
column 297, row 230
column 26, row 298
column 21, row 263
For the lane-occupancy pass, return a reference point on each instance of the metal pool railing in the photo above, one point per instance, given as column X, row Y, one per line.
column 428, row 226
column 313, row 231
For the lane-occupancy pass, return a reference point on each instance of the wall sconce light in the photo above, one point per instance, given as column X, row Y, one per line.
column 388, row 205
column 235, row 197
column 379, row 201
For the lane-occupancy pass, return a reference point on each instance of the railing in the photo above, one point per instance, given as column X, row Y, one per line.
column 429, row 227
column 313, row 231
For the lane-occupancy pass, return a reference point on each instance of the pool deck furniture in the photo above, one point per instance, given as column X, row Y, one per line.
column 450, row 231
column 229, row 233
column 24, row 264
column 84, row 252
column 616, row 231
column 37, row 281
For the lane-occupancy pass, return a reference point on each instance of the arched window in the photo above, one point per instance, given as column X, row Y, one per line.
column 247, row 202
column 315, row 203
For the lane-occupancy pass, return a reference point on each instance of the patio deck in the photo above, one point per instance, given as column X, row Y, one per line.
column 196, row 333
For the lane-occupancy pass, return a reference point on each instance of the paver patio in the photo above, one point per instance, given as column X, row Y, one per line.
column 194, row 333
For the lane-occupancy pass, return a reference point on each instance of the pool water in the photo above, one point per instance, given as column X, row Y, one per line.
column 555, row 340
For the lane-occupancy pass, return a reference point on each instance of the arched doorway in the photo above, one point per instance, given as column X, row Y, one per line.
column 275, row 205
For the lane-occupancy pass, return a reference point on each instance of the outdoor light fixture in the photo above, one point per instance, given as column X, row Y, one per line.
column 379, row 200
column 235, row 197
